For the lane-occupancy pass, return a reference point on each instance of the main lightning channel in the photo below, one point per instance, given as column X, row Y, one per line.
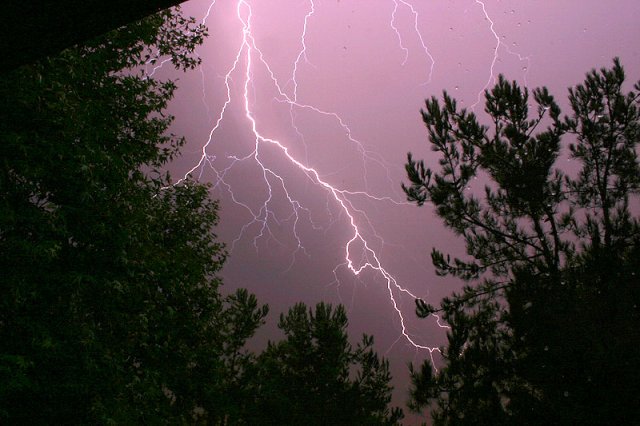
column 249, row 57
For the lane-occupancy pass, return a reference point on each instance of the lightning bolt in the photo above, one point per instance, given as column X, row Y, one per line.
column 248, row 60
column 359, row 251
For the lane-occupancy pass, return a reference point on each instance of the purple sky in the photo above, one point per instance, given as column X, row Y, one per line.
column 341, row 97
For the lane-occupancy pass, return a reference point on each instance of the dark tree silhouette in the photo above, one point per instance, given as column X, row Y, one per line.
column 546, row 332
column 109, row 302
column 315, row 377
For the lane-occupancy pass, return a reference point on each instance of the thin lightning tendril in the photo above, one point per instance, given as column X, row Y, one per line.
column 425, row 49
column 397, row 31
column 499, row 43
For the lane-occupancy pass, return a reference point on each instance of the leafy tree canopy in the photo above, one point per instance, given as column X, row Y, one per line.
column 110, row 310
column 546, row 330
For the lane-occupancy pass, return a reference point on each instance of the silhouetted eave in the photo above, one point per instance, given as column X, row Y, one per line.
column 33, row 29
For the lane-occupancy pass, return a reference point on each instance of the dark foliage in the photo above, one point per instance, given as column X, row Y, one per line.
column 546, row 333
column 110, row 310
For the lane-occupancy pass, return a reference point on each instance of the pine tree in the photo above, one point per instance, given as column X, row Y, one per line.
column 316, row 377
column 545, row 331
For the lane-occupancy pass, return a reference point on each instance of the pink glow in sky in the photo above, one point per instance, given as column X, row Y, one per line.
column 333, row 89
